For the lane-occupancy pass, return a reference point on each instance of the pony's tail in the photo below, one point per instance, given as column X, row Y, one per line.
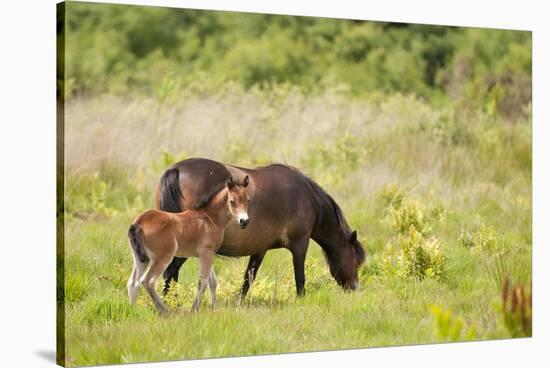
column 135, row 235
column 170, row 192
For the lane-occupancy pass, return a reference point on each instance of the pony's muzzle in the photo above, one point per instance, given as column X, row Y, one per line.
column 351, row 285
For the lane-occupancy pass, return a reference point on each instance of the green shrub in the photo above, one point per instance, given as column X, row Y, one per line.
column 449, row 129
column 344, row 156
column 89, row 195
column 392, row 196
column 449, row 328
column 481, row 239
column 409, row 214
column 414, row 256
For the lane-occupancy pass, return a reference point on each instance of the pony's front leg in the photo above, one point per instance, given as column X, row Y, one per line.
column 251, row 270
column 299, row 251
column 206, row 259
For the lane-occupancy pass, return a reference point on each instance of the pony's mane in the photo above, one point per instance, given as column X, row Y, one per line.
column 322, row 200
column 326, row 203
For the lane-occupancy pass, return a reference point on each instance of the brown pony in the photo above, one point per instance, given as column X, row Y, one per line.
column 157, row 237
column 287, row 209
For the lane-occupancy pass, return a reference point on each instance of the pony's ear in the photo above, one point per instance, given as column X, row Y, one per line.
column 353, row 237
column 246, row 180
column 230, row 183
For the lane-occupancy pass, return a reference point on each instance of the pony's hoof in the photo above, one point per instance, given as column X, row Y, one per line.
column 164, row 312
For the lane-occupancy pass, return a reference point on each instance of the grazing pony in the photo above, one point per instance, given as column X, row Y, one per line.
column 156, row 237
column 287, row 207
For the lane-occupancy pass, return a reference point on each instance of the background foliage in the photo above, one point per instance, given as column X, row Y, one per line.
column 422, row 134
column 150, row 50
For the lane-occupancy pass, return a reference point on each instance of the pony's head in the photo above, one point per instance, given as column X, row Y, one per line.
column 344, row 260
column 238, row 201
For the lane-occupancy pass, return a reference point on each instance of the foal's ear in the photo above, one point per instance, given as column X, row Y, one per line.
column 230, row 183
column 246, row 180
column 353, row 237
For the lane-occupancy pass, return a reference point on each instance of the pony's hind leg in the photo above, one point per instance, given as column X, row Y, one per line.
column 134, row 282
column 149, row 280
column 213, row 284
column 206, row 258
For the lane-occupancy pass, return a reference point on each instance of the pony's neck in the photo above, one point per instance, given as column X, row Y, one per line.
column 329, row 237
column 330, row 234
column 218, row 210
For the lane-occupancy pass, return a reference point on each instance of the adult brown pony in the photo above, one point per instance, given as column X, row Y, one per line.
column 286, row 207
column 155, row 237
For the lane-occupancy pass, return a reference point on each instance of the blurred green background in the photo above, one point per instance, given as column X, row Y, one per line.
column 127, row 50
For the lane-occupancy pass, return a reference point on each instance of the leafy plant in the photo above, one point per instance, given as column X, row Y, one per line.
column 392, row 196
column 414, row 256
column 408, row 214
column 99, row 198
column 482, row 239
column 449, row 328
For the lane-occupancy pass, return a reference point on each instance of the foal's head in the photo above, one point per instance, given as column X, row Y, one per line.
column 238, row 201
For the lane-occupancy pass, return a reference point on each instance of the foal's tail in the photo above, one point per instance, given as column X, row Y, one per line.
column 135, row 235
column 170, row 192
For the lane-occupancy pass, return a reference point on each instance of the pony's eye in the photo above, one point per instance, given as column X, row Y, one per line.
column 232, row 202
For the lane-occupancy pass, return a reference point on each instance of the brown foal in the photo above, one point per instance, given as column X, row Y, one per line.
column 156, row 237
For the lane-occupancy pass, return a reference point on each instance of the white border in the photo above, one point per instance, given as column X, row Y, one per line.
column 27, row 152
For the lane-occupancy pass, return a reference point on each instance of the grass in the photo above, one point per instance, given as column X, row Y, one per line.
column 466, row 179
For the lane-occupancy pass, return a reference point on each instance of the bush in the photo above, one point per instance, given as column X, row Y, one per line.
column 481, row 239
column 392, row 196
column 449, row 129
column 89, row 196
column 414, row 256
column 409, row 214
column 449, row 328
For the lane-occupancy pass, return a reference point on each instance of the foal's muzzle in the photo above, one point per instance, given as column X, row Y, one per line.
column 243, row 222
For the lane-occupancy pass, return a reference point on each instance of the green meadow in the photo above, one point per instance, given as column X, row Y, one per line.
column 430, row 160
column 441, row 204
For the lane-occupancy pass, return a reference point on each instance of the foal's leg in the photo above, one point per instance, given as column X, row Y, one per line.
column 206, row 258
column 253, row 265
column 213, row 284
column 134, row 282
column 149, row 280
